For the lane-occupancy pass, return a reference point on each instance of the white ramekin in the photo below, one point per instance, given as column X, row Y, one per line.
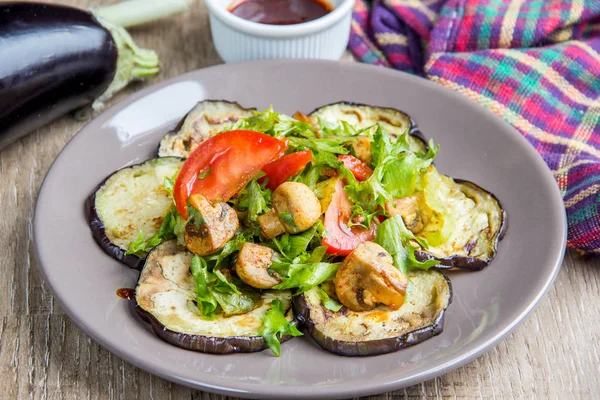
column 239, row 40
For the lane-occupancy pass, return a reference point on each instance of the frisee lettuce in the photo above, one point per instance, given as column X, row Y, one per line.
column 303, row 277
column 396, row 239
column 169, row 184
column 275, row 124
column 254, row 198
column 328, row 302
column 397, row 173
column 340, row 128
column 215, row 292
column 207, row 303
column 275, row 326
column 291, row 246
column 333, row 145
column 224, row 256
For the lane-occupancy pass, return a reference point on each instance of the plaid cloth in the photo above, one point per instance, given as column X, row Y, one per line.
column 535, row 63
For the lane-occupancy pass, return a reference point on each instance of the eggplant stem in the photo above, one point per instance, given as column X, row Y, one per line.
column 136, row 12
column 133, row 62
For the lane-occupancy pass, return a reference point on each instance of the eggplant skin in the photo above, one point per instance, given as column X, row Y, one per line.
column 54, row 59
column 357, row 348
column 206, row 344
column 97, row 225
column 462, row 262
column 206, row 119
column 418, row 143
column 165, row 297
column 99, row 234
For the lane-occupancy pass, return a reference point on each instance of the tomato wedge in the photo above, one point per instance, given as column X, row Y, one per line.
column 359, row 169
column 221, row 166
column 281, row 169
column 340, row 238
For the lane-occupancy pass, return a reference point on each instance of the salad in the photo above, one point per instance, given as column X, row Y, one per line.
column 251, row 228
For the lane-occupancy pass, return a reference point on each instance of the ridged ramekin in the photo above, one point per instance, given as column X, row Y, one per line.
column 237, row 39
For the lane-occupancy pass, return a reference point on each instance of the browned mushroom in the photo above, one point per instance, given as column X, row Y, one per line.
column 295, row 209
column 219, row 224
column 410, row 208
column 251, row 266
column 367, row 277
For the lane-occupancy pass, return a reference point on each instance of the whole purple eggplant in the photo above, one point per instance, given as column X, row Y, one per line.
column 55, row 59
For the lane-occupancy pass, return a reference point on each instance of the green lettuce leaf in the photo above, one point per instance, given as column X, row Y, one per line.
column 275, row 124
column 340, row 128
column 222, row 257
column 231, row 299
column 207, row 303
column 259, row 200
column 169, row 184
column 395, row 238
column 291, row 246
column 397, row 173
column 254, row 198
column 328, row 302
column 275, row 326
column 303, row 276
column 333, row 145
column 215, row 292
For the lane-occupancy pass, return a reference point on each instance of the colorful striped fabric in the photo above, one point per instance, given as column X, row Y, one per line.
column 535, row 63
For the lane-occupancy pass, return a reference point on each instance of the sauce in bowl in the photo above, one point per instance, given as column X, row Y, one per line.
column 280, row 12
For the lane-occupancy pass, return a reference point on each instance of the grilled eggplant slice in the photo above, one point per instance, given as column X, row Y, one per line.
column 130, row 201
column 205, row 120
column 381, row 330
column 165, row 297
column 395, row 122
column 479, row 224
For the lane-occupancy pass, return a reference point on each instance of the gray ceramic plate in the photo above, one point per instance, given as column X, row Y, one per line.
column 476, row 146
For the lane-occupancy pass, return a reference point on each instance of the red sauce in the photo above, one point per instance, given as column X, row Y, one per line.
column 280, row 12
column 126, row 293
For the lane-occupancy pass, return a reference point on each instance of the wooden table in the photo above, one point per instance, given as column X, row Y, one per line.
column 554, row 353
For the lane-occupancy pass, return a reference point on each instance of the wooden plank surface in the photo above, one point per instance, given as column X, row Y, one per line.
column 555, row 353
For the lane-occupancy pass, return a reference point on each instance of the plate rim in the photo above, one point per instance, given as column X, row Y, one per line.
column 333, row 391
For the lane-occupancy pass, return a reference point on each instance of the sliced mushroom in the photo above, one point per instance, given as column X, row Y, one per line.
column 251, row 266
column 410, row 209
column 367, row 277
column 219, row 224
column 295, row 209
column 270, row 224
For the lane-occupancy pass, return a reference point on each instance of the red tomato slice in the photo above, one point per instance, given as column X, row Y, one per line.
column 342, row 239
column 359, row 169
column 221, row 166
column 280, row 170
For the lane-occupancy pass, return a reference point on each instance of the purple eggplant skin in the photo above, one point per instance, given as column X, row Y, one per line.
column 99, row 234
column 206, row 344
column 54, row 59
column 369, row 348
column 458, row 262
column 97, row 226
